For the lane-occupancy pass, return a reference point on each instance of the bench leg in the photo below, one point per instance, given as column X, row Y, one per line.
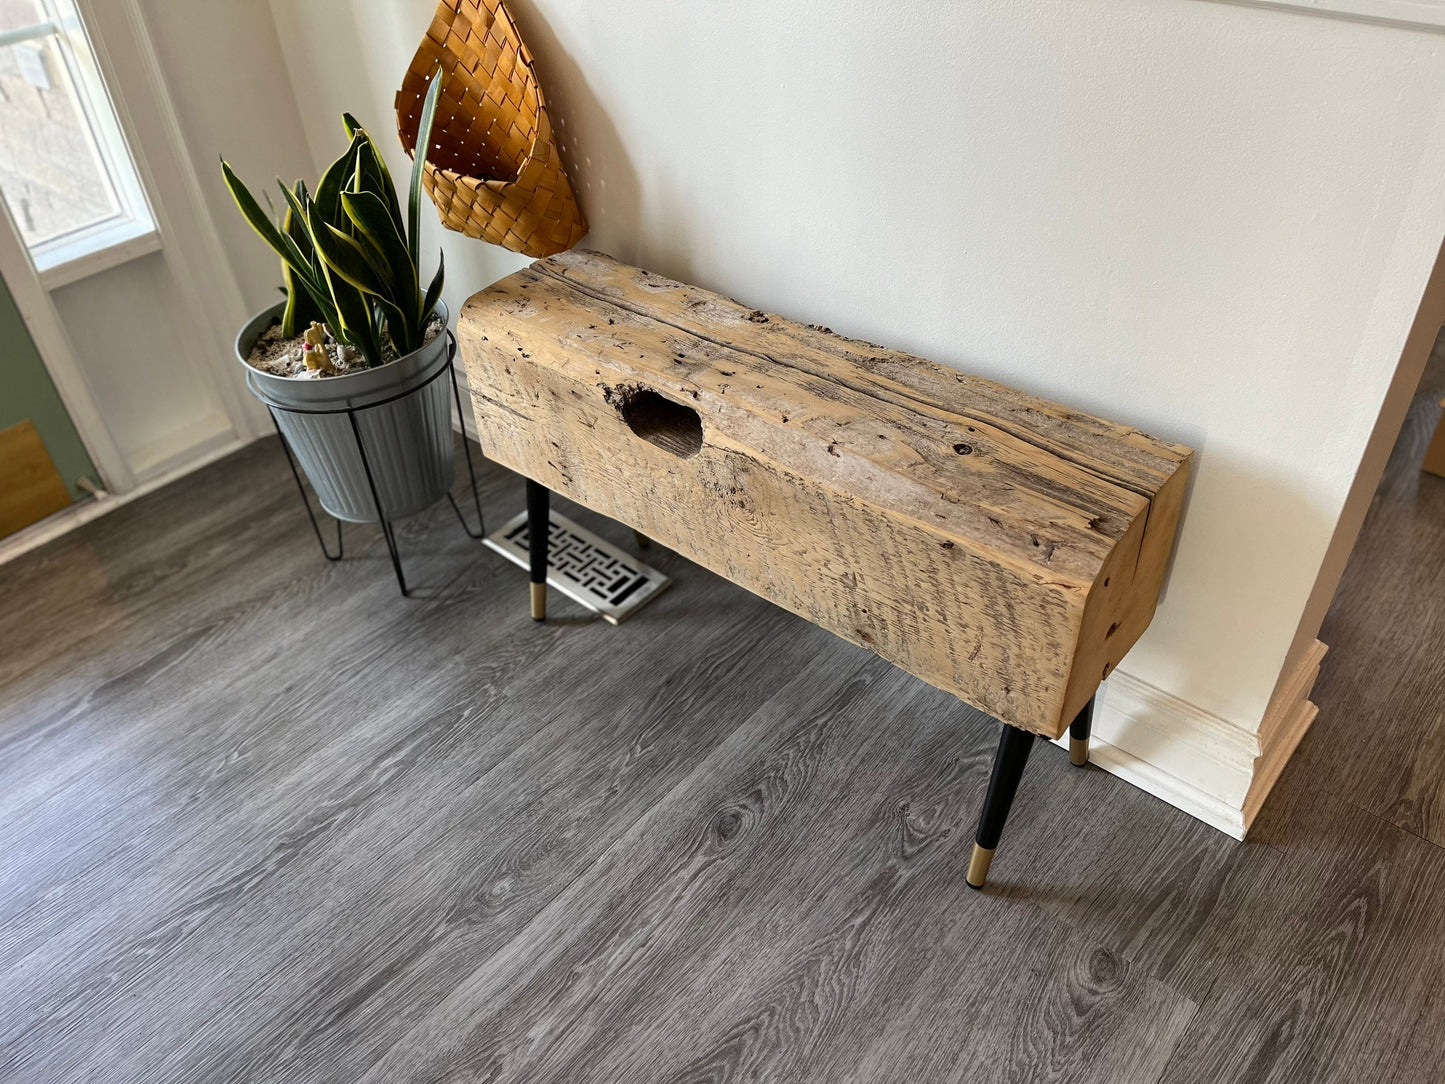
column 538, row 525
column 1008, row 768
column 1079, row 735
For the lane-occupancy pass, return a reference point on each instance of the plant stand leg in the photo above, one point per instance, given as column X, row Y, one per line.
column 1008, row 768
column 386, row 528
column 641, row 539
column 1079, row 735
column 538, row 529
column 481, row 531
column 305, row 500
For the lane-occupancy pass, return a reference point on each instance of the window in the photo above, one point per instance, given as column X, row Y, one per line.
column 66, row 174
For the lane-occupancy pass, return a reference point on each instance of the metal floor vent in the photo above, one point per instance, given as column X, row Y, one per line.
column 583, row 567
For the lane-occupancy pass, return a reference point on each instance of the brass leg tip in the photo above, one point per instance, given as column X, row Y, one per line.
column 1078, row 751
column 539, row 602
column 978, row 866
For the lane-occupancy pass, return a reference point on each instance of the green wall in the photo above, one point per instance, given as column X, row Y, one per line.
column 26, row 392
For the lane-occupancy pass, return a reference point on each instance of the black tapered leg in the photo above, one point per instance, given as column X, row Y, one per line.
column 1008, row 768
column 538, row 523
column 1079, row 735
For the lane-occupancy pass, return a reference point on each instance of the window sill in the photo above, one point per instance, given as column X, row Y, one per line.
column 96, row 252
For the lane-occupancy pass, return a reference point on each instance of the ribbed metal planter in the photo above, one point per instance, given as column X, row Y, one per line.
column 403, row 416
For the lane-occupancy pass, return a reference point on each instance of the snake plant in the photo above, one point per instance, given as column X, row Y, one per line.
column 348, row 257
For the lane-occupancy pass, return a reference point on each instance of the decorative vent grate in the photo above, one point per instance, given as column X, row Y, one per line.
column 584, row 567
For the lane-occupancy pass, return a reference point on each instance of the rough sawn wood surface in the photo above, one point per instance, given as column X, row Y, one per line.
column 1006, row 549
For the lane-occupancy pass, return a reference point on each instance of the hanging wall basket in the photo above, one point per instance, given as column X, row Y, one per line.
column 493, row 171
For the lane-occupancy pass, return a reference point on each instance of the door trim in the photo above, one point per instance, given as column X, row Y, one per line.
column 43, row 322
column 209, row 291
column 183, row 218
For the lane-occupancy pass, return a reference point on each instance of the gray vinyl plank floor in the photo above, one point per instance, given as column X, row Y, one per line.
column 261, row 819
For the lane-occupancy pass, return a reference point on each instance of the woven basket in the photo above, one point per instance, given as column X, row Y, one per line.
column 493, row 170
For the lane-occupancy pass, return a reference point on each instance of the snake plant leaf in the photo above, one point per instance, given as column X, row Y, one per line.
column 301, row 304
column 400, row 322
column 433, row 292
column 354, row 318
column 296, row 267
column 344, row 257
column 307, row 298
column 334, row 181
column 293, row 224
column 251, row 210
column 300, row 191
column 376, row 178
column 298, row 214
column 395, row 323
column 300, row 251
column 378, row 320
column 418, row 165
column 407, row 310
column 294, row 229
column 369, row 214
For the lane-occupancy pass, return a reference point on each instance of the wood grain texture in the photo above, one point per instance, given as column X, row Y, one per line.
column 1325, row 961
column 262, row 820
column 738, row 856
column 30, row 486
column 1001, row 547
column 1326, row 964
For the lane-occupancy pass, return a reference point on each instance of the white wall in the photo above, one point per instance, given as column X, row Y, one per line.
column 1212, row 221
column 223, row 65
column 138, row 351
column 369, row 44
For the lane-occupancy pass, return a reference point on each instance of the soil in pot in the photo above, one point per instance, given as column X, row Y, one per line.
column 279, row 356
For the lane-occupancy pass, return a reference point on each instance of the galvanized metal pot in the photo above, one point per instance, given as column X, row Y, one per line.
column 402, row 415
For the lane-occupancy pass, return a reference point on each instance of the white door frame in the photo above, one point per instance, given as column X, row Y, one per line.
column 192, row 245
column 43, row 322
column 209, row 291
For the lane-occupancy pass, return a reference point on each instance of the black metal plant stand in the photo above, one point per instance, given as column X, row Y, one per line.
column 388, row 532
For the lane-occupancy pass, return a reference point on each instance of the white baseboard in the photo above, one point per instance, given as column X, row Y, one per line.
column 178, row 454
column 1286, row 721
column 83, row 512
column 1191, row 758
column 1174, row 750
column 1166, row 787
column 183, row 448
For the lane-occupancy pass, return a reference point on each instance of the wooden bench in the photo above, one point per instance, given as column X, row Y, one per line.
column 1001, row 547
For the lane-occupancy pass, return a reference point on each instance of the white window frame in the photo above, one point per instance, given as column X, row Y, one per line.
column 131, row 232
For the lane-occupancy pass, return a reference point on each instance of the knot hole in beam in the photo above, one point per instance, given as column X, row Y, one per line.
column 657, row 419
